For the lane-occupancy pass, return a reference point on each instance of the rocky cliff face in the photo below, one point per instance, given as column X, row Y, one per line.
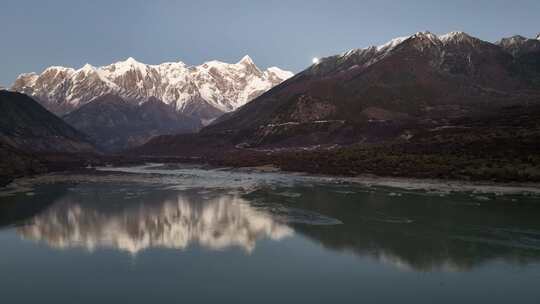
column 203, row 92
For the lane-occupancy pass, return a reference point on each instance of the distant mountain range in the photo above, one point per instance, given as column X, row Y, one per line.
column 124, row 104
column 424, row 94
column 202, row 92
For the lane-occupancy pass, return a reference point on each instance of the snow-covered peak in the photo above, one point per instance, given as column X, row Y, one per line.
column 171, row 64
column 59, row 69
column 87, row 68
column 458, row 37
column 538, row 36
column 214, row 84
column 120, row 68
column 131, row 61
column 364, row 57
column 426, row 34
column 246, row 60
column 212, row 64
column 392, row 43
column 26, row 79
column 452, row 35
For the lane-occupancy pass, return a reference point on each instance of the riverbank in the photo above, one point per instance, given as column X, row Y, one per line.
column 168, row 175
column 388, row 162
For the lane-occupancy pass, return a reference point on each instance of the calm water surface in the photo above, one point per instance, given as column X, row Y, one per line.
column 171, row 235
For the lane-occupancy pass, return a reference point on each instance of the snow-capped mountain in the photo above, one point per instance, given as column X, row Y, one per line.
column 426, row 42
column 203, row 91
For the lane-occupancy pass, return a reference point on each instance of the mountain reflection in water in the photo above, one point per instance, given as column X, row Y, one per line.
column 410, row 231
column 170, row 220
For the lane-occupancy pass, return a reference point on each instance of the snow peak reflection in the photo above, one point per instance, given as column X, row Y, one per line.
column 171, row 220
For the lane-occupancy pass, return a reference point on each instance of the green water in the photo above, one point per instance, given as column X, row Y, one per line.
column 207, row 236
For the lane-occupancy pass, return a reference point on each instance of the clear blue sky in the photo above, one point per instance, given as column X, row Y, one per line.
column 40, row 33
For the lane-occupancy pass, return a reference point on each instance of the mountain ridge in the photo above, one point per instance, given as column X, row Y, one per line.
column 218, row 86
column 439, row 63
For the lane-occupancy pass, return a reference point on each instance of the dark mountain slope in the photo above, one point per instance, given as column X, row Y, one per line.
column 423, row 106
column 29, row 127
column 423, row 80
column 115, row 124
column 29, row 133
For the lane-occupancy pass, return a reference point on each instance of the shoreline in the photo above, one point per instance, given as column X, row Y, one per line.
column 420, row 184
column 449, row 186
column 436, row 186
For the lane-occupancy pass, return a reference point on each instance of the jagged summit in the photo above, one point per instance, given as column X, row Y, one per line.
column 88, row 67
column 131, row 60
column 246, row 60
column 425, row 35
column 452, row 42
column 204, row 91
column 458, row 36
column 420, row 41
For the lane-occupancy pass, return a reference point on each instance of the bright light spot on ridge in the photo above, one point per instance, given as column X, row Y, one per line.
column 315, row 60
